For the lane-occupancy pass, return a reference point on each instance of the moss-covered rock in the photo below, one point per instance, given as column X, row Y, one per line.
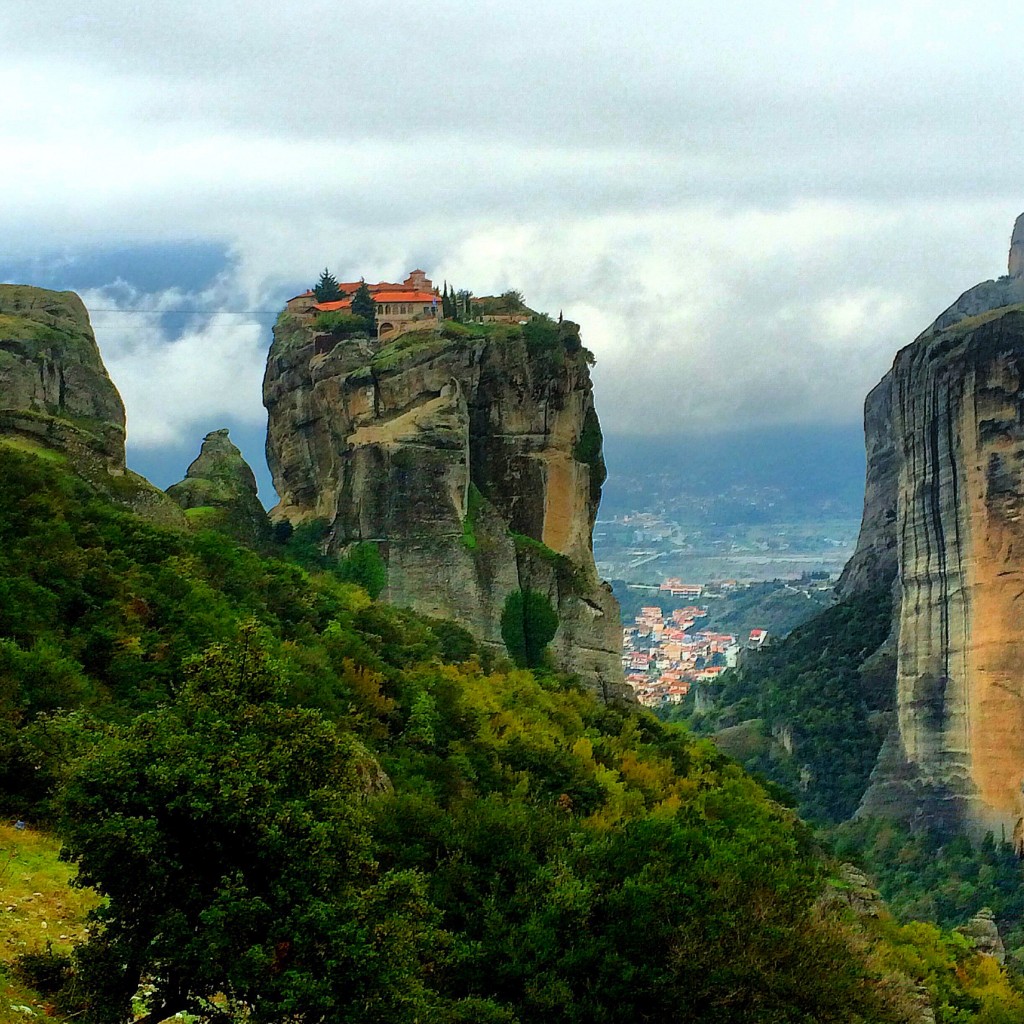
column 56, row 397
column 219, row 492
column 50, row 369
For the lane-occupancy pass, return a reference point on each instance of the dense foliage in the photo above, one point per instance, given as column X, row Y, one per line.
column 299, row 804
column 364, row 566
column 820, row 694
column 941, row 879
column 341, row 325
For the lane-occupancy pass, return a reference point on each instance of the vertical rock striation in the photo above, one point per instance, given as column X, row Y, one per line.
column 945, row 495
column 472, row 459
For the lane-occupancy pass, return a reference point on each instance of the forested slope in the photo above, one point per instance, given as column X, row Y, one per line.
column 298, row 803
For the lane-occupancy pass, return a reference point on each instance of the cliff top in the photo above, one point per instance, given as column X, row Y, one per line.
column 30, row 314
column 989, row 295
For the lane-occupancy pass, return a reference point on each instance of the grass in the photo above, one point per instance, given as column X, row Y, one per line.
column 22, row 328
column 204, row 516
column 971, row 322
column 23, row 444
column 407, row 346
column 473, row 504
column 37, row 905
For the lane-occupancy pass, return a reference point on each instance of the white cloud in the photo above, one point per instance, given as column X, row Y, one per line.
column 749, row 215
column 174, row 378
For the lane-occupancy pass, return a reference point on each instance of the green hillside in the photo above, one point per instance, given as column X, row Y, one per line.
column 297, row 803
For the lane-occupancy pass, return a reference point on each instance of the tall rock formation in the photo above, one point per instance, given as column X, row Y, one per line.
column 471, row 456
column 54, row 388
column 219, row 492
column 944, row 515
column 55, row 394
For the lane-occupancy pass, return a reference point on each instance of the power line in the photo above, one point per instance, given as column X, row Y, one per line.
column 193, row 312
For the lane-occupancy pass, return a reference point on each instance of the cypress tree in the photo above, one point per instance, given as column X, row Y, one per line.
column 364, row 306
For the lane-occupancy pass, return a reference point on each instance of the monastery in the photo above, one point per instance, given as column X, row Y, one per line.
column 411, row 305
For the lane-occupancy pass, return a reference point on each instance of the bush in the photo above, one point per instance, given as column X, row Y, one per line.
column 45, row 971
column 341, row 325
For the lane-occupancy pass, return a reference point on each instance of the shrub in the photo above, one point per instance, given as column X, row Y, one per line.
column 455, row 331
column 46, row 970
column 473, row 503
column 341, row 325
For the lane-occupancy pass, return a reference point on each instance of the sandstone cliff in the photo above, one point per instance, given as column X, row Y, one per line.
column 945, row 496
column 56, row 395
column 471, row 456
column 219, row 492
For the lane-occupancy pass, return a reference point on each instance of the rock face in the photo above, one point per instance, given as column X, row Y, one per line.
column 55, row 394
column 220, row 492
column 873, row 565
column 945, row 496
column 54, row 388
column 984, row 935
column 473, row 461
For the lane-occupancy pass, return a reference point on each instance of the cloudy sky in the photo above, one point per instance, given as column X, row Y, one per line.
column 749, row 207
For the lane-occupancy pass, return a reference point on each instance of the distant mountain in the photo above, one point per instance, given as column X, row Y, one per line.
column 793, row 467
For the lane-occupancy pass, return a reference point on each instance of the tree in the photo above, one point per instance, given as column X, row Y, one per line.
column 228, row 836
column 512, row 300
column 528, row 625
column 327, row 290
column 364, row 306
column 364, row 565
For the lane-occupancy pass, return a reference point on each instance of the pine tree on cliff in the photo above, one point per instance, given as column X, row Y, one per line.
column 327, row 289
column 446, row 303
column 364, row 306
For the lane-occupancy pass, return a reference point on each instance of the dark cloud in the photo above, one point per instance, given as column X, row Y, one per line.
column 749, row 214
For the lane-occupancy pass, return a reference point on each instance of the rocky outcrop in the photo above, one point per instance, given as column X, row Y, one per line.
column 946, row 494
column 983, row 934
column 853, row 890
column 54, row 388
column 56, row 395
column 470, row 456
column 873, row 565
column 220, row 492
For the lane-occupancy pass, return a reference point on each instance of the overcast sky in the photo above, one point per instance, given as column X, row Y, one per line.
column 749, row 207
